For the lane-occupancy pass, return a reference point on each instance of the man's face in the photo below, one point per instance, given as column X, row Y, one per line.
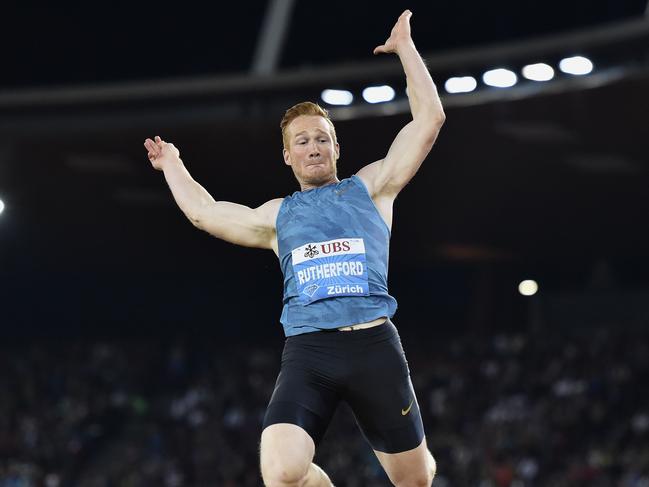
column 312, row 152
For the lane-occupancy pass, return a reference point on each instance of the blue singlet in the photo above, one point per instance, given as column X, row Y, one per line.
column 333, row 250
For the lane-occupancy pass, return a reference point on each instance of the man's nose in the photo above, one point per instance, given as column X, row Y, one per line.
column 313, row 150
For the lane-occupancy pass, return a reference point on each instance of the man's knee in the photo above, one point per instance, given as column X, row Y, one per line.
column 282, row 473
column 425, row 477
column 432, row 466
column 286, row 452
column 420, row 477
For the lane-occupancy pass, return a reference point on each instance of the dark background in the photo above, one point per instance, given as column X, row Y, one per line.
column 137, row 350
column 550, row 187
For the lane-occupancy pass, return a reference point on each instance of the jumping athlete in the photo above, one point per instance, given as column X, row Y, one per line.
column 332, row 241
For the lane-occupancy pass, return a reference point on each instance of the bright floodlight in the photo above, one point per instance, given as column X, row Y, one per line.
column 500, row 78
column 337, row 97
column 538, row 72
column 462, row 84
column 576, row 65
column 2, row 206
column 378, row 94
column 528, row 287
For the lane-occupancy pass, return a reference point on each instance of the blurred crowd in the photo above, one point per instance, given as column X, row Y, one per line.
column 525, row 409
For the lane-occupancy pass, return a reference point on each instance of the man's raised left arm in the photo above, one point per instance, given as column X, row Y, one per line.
column 386, row 177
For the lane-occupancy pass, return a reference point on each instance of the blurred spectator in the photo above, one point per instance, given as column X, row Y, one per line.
column 503, row 410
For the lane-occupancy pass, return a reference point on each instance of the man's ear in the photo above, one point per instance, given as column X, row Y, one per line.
column 287, row 157
column 337, row 151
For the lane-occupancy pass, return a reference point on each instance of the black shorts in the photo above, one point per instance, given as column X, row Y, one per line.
column 365, row 368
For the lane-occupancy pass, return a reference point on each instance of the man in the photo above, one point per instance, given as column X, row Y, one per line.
column 332, row 241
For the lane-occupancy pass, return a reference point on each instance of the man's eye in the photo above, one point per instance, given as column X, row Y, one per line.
column 323, row 140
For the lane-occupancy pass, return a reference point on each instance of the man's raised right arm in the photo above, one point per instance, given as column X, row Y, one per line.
column 234, row 223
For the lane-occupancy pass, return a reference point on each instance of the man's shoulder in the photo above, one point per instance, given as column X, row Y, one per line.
column 368, row 174
column 270, row 210
column 271, row 205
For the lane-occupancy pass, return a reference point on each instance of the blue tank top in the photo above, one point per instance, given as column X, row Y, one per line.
column 333, row 251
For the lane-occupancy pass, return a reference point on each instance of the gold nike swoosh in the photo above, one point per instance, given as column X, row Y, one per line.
column 406, row 411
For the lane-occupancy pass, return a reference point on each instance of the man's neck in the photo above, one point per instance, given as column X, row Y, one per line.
column 307, row 186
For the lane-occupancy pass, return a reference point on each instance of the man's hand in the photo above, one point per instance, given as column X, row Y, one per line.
column 161, row 153
column 400, row 34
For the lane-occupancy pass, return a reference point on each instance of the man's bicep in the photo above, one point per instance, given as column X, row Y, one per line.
column 408, row 150
column 240, row 224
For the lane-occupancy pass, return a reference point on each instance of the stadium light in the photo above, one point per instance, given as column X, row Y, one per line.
column 577, row 65
column 528, row 287
column 2, row 206
column 378, row 94
column 538, row 72
column 337, row 97
column 461, row 84
column 500, row 78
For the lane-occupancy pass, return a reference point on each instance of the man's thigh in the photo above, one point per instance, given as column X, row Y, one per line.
column 306, row 393
column 412, row 467
column 381, row 395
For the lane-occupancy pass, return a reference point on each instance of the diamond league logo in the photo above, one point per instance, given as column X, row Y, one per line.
column 310, row 290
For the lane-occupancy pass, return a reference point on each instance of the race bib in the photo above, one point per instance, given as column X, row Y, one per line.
column 328, row 269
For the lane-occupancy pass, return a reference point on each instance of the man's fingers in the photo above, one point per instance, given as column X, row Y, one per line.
column 151, row 146
column 404, row 20
column 154, row 147
column 159, row 142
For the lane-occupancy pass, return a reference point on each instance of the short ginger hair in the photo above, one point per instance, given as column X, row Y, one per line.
column 304, row 108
